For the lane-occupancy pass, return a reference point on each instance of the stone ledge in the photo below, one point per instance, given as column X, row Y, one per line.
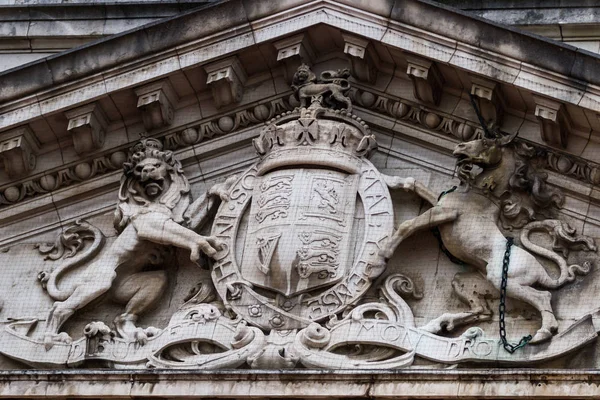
column 99, row 55
column 199, row 52
column 88, row 59
column 488, row 35
column 97, row 3
column 397, row 384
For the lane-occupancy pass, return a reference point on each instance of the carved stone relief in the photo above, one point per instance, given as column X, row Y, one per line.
column 156, row 102
column 555, row 124
column 427, row 80
column 298, row 253
column 226, row 79
column 87, row 125
column 18, row 152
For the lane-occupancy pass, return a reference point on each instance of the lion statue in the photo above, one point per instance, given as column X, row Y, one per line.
column 153, row 216
column 493, row 172
column 331, row 87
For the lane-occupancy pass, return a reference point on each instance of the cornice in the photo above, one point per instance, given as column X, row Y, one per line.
column 305, row 383
column 83, row 74
column 27, row 194
column 181, row 139
column 184, row 139
column 53, row 25
column 461, row 129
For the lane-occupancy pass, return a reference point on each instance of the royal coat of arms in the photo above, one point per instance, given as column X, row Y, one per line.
column 297, row 241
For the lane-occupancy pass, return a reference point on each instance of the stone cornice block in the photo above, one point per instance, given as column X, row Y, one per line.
column 226, row 78
column 296, row 46
column 17, row 150
column 363, row 58
column 294, row 51
column 555, row 124
column 157, row 102
column 38, row 76
column 427, row 80
column 490, row 102
column 87, row 126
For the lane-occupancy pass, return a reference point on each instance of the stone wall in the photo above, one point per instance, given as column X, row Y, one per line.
column 320, row 188
column 576, row 23
column 36, row 29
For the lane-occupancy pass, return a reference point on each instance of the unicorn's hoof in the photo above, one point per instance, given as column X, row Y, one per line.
column 50, row 339
column 541, row 336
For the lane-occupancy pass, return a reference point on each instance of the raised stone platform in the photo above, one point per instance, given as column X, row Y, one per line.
column 312, row 384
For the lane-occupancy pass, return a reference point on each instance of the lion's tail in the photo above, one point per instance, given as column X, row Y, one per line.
column 81, row 230
column 563, row 235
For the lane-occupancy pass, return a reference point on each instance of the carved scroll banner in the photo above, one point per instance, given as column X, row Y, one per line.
column 471, row 346
column 234, row 345
column 230, row 345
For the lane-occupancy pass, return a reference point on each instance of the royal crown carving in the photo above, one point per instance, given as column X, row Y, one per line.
column 317, row 134
column 296, row 270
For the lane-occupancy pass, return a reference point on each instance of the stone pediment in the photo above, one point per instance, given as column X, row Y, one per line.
column 550, row 103
column 205, row 130
column 161, row 73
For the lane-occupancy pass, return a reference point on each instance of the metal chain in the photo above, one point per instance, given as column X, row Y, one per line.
column 445, row 192
column 486, row 132
column 511, row 348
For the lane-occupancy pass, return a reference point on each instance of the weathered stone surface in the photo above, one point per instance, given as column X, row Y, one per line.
column 157, row 102
column 449, row 384
column 299, row 252
column 226, row 78
column 489, row 101
column 363, row 58
column 24, row 81
column 427, row 80
column 462, row 26
column 294, row 51
column 18, row 152
column 88, row 127
column 282, row 244
column 555, row 124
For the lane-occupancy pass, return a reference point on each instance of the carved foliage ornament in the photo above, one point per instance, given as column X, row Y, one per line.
column 314, row 220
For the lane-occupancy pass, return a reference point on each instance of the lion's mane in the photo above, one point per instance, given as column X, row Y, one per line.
column 176, row 198
column 298, row 82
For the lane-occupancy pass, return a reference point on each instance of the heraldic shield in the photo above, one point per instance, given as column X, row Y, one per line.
column 300, row 232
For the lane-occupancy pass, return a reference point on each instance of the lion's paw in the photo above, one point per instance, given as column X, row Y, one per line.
column 385, row 253
column 208, row 245
column 221, row 190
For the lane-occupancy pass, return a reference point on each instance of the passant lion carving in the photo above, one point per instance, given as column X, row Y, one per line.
column 473, row 236
column 331, row 87
column 153, row 209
